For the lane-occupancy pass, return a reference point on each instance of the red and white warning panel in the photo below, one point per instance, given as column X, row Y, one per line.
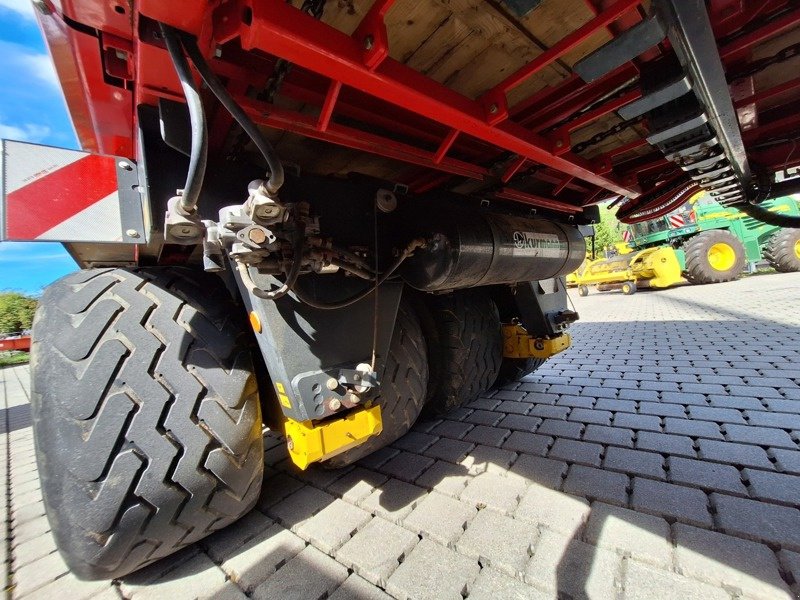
column 676, row 221
column 55, row 194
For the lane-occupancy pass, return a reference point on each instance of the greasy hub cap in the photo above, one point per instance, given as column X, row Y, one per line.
column 721, row 257
column 797, row 248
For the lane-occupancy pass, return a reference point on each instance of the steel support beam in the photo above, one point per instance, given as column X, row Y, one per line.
column 277, row 28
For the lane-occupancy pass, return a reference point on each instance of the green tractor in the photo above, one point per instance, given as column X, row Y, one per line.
column 714, row 243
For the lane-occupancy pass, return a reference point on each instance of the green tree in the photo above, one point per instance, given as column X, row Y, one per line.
column 16, row 312
column 608, row 231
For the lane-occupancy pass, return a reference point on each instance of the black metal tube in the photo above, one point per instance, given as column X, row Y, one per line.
column 198, row 155
column 275, row 180
column 777, row 189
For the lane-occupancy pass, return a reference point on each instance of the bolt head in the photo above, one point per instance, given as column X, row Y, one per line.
column 334, row 404
column 257, row 236
column 559, row 143
column 369, row 42
column 493, row 109
column 132, row 233
column 290, row 443
column 331, row 384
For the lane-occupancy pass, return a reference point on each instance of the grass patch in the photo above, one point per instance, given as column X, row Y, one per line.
column 13, row 358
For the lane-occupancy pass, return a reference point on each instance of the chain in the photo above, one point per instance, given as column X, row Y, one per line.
column 597, row 138
column 756, row 67
column 282, row 68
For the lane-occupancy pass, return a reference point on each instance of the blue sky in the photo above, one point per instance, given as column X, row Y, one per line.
column 31, row 109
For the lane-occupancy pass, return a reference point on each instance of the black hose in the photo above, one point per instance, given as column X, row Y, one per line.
column 767, row 216
column 275, row 180
column 291, row 276
column 199, row 150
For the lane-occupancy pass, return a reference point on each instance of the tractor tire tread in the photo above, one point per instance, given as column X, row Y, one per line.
column 780, row 250
column 698, row 268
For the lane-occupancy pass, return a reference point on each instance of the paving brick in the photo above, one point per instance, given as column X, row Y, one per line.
column 762, row 436
column 226, row 542
column 548, row 412
column 590, row 415
column 376, row 551
column 753, row 390
column 646, row 583
column 490, row 436
column 626, row 406
column 707, row 475
column 779, row 487
column 684, row 397
column 535, row 469
column 602, row 434
column 718, row 415
column 451, row 429
column 69, row 586
column 556, row 510
column 394, row 500
column 573, row 568
column 762, row 418
column 310, row 574
column 512, row 407
column 485, row 458
column 575, row 401
column 432, row 572
column 684, row 504
column 450, row 450
column 30, row 530
column 561, row 429
column 196, row 577
column 520, row 423
column 528, row 443
column 491, row 584
column 662, row 409
column 758, row 521
column 358, row 588
column 250, row 561
column 415, row 441
column 735, row 454
column 706, row 429
column 703, row 388
column 575, row 451
column 378, row 458
column 445, row 477
column 790, row 561
column 407, row 466
column 302, row 505
column 724, row 560
column 357, row 484
column 780, row 405
column 787, row 460
column 498, row 541
column 494, row 491
column 441, row 518
column 638, row 395
column 485, row 403
column 643, row 537
column 483, row 417
column 635, row 462
column 38, row 573
column 665, row 443
column 334, row 525
column 597, row 484
column 33, row 550
column 517, row 395
column 633, row 421
column 737, row 402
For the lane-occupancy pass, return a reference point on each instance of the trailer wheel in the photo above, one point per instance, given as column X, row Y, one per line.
column 713, row 257
column 403, row 387
column 583, row 290
column 466, row 346
column 783, row 250
column 628, row 288
column 146, row 415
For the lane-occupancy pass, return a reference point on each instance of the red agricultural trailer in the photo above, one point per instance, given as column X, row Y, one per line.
column 330, row 217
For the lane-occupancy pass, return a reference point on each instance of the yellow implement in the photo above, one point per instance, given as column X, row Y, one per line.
column 652, row 267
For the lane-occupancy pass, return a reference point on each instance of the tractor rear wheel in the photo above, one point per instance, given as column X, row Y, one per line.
column 403, row 388
column 783, row 250
column 466, row 344
column 146, row 415
column 713, row 257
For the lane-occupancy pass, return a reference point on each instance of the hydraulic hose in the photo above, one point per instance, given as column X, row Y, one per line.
column 767, row 216
column 198, row 155
column 276, row 176
column 291, row 276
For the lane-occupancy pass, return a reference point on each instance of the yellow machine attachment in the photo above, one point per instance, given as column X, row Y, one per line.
column 652, row 267
column 309, row 442
column 518, row 344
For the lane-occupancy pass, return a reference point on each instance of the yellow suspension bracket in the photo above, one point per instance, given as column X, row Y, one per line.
column 309, row 443
column 518, row 344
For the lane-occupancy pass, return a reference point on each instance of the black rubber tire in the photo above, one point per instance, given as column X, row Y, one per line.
column 628, row 288
column 780, row 250
column 468, row 347
column 404, row 387
column 514, row 369
column 583, row 290
column 146, row 416
column 698, row 267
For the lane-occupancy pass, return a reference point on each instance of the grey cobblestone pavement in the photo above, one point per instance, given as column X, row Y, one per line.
column 658, row 458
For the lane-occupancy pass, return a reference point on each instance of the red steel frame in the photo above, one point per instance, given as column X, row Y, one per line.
column 354, row 76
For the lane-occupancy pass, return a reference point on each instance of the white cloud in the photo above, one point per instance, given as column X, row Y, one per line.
column 40, row 66
column 24, row 8
column 27, row 132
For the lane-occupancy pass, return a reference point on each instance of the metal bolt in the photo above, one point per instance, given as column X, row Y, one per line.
column 356, row 377
column 369, row 41
column 559, row 143
column 290, row 443
column 132, row 233
column 218, row 52
column 257, row 236
column 493, row 109
column 125, row 165
column 352, row 398
column 334, row 404
column 331, row 384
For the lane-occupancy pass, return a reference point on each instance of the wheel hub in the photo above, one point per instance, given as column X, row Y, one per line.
column 721, row 257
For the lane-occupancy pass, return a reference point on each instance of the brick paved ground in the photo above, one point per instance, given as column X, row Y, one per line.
column 658, row 458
